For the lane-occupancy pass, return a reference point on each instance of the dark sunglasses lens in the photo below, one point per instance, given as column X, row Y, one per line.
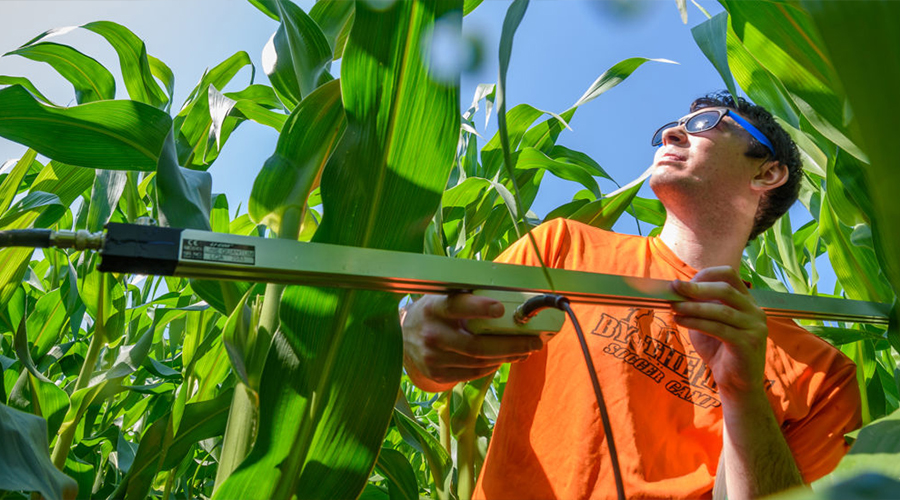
column 702, row 121
column 657, row 137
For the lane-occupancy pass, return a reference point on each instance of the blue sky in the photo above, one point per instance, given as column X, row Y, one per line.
column 561, row 47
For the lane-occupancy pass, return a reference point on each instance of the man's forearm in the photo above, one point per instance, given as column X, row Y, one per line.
column 758, row 461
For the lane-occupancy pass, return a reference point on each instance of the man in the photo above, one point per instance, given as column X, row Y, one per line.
column 711, row 378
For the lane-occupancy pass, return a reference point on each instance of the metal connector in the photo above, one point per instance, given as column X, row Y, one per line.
column 79, row 240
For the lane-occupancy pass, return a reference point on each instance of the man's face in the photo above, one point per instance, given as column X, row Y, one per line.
column 703, row 164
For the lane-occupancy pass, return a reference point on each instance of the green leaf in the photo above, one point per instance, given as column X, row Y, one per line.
column 401, row 479
column 470, row 5
column 530, row 158
column 134, row 62
column 840, row 336
column 518, row 120
column 160, row 450
column 46, row 322
column 193, row 125
column 10, row 185
column 711, row 36
column 865, row 81
column 164, row 74
column 108, row 188
column 875, row 449
column 24, row 82
column 333, row 372
column 785, row 42
column 297, row 56
column 91, row 80
column 120, row 135
column 27, row 464
column 856, row 267
column 647, row 210
column 183, row 195
column 439, row 461
column 603, row 213
column 305, row 145
column 335, row 17
column 34, row 203
column 219, row 76
column 615, row 75
column 562, row 153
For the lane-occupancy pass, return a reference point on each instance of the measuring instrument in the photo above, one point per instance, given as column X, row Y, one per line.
column 189, row 253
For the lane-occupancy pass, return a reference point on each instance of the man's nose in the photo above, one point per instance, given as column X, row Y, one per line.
column 675, row 134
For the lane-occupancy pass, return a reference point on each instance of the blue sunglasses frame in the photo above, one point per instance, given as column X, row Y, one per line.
column 709, row 125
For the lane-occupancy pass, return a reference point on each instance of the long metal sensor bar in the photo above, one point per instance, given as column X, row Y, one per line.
column 203, row 254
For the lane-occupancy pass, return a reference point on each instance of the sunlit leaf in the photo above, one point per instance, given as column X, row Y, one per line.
column 10, row 185
column 91, row 80
column 296, row 57
column 121, row 135
column 380, row 189
column 335, row 17
column 24, row 82
column 305, row 145
column 711, row 37
column 108, row 188
column 133, row 61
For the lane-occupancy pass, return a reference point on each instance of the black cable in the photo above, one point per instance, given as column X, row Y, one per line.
column 530, row 308
column 34, row 238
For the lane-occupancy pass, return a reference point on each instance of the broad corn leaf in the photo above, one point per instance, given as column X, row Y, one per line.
column 297, row 55
column 116, row 135
column 868, row 85
column 306, row 143
column 26, row 463
column 134, row 62
column 92, row 82
column 329, row 383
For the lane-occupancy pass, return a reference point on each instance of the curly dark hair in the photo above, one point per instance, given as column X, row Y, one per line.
column 777, row 201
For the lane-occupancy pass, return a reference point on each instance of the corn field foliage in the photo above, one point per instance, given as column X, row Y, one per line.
column 124, row 386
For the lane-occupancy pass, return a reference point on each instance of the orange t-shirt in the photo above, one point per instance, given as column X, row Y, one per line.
column 665, row 411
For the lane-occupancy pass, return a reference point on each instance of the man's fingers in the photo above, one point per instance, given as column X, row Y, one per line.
column 493, row 346
column 460, row 374
column 718, row 291
column 713, row 311
column 452, row 360
column 726, row 274
column 464, row 306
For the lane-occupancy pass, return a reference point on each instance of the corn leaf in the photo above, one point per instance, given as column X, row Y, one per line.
column 134, row 62
column 304, row 146
column 25, row 458
column 298, row 54
column 332, row 373
column 867, row 84
column 92, row 82
column 119, row 135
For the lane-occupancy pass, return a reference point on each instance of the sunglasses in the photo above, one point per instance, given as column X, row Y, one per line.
column 707, row 119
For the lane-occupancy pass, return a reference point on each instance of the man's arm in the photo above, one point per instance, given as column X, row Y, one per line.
column 729, row 332
column 438, row 352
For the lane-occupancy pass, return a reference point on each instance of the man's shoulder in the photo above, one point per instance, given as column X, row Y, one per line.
column 582, row 231
column 805, row 351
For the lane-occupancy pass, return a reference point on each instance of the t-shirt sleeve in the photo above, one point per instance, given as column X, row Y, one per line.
column 817, row 440
column 551, row 238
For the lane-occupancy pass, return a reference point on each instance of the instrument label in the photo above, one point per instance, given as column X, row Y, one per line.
column 215, row 251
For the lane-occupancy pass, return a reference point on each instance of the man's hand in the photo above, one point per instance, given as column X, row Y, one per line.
column 438, row 352
column 729, row 331
column 727, row 328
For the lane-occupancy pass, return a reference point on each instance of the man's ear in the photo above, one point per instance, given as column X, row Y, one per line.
column 770, row 175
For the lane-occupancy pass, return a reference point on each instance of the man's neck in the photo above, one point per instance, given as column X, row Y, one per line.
column 701, row 245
